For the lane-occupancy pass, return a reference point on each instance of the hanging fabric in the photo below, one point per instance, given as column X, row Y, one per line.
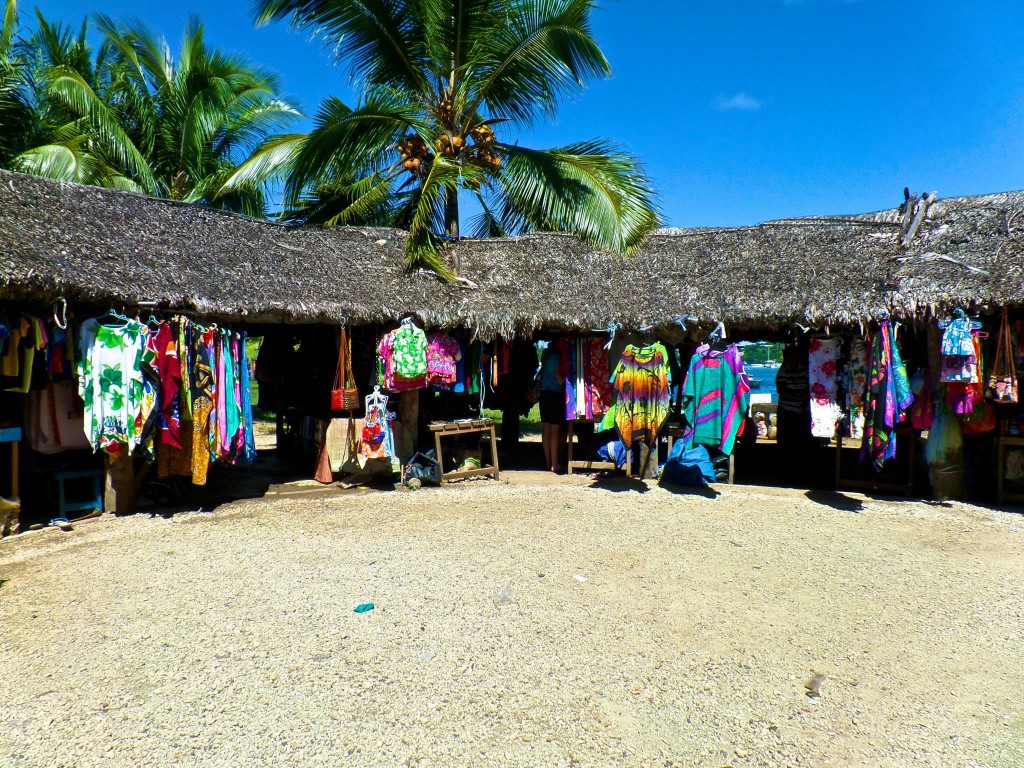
column 821, row 371
column 888, row 397
column 716, row 396
column 377, row 440
column 110, row 382
column 641, row 385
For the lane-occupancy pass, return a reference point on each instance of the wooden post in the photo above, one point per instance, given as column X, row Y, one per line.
column 409, row 414
column 119, row 496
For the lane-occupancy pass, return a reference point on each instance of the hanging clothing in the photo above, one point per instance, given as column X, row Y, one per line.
column 443, row 354
column 641, row 386
column 168, row 368
column 377, row 439
column 716, row 397
column 821, row 371
column 887, row 398
column 56, row 420
column 964, row 396
column 249, row 437
column 857, row 384
column 110, row 384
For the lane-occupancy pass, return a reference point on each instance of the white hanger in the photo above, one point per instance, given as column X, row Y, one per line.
column 376, row 399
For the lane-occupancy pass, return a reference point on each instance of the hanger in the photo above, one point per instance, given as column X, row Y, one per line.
column 409, row 322
column 61, row 320
column 113, row 318
column 960, row 315
column 610, row 330
column 376, row 399
column 682, row 320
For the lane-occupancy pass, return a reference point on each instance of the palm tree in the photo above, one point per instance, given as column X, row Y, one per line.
column 18, row 118
column 134, row 117
column 441, row 80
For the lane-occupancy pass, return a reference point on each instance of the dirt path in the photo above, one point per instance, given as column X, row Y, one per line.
column 644, row 628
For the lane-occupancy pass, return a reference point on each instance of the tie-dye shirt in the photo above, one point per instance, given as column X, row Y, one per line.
column 641, row 385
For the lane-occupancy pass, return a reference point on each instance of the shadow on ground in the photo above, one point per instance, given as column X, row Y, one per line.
column 836, row 500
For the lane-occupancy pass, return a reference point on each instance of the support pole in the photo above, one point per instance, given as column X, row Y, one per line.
column 119, row 496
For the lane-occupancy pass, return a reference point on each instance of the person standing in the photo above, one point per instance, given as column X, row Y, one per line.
column 552, row 406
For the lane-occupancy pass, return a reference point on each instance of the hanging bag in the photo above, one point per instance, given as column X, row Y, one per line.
column 1002, row 382
column 344, row 393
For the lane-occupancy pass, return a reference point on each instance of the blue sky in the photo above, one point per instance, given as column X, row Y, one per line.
column 746, row 110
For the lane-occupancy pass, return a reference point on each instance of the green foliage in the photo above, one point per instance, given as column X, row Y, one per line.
column 132, row 115
column 437, row 78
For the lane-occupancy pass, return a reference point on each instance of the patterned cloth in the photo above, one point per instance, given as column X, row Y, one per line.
column 641, row 385
column 964, row 396
column 110, row 384
column 821, row 372
column 443, row 354
column 857, row 384
column 409, row 352
column 715, row 397
column 956, row 339
column 588, row 391
column 888, row 396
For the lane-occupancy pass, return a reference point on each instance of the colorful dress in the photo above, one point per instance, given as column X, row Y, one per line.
column 857, row 384
column 821, row 372
column 716, row 397
column 641, row 385
column 888, row 396
column 110, row 384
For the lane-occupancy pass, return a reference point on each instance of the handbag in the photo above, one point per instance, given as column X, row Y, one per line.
column 1002, row 382
column 344, row 393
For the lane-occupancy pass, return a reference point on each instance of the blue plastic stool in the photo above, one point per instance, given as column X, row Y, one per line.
column 95, row 501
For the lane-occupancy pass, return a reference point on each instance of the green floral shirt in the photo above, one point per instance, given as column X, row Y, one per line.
column 409, row 353
column 110, row 383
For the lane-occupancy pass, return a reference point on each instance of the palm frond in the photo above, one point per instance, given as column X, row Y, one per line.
column 67, row 86
column 379, row 39
column 543, row 50
column 422, row 247
column 348, row 142
column 274, row 159
column 587, row 188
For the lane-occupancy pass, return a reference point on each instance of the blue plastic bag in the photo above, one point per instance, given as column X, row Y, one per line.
column 688, row 467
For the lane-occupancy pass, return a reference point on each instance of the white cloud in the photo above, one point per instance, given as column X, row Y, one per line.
column 740, row 102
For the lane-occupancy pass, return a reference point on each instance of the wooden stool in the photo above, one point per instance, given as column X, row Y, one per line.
column 465, row 427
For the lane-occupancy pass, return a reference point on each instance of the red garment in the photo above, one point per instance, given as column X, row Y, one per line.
column 169, row 369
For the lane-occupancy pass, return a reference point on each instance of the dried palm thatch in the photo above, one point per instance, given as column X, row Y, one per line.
column 101, row 247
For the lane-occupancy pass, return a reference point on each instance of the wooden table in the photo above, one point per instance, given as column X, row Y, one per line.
column 465, row 427
column 1002, row 443
column 589, row 466
column 906, row 434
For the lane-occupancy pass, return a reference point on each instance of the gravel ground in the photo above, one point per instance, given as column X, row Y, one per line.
column 637, row 627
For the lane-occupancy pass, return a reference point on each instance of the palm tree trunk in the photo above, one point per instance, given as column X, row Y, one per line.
column 451, row 223
column 451, row 213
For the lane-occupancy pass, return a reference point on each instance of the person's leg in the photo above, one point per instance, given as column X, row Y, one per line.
column 545, row 436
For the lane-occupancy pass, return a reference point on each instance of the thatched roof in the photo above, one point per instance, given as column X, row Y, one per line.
column 104, row 247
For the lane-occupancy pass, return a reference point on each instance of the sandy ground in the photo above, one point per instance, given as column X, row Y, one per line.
column 539, row 622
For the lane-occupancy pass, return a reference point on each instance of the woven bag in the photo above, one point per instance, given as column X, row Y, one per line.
column 344, row 393
column 1002, row 382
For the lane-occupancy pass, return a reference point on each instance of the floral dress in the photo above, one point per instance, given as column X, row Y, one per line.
column 857, row 384
column 821, row 372
column 110, row 383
